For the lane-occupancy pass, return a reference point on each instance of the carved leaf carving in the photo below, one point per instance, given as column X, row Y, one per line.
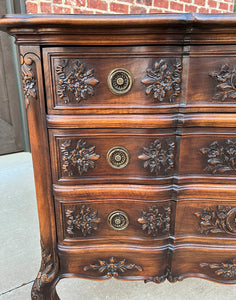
column 47, row 274
column 221, row 158
column 83, row 220
column 112, row 268
column 155, row 220
column 163, row 80
column 158, row 157
column 74, row 77
column 168, row 275
column 226, row 270
column 80, row 158
column 28, row 78
column 226, row 83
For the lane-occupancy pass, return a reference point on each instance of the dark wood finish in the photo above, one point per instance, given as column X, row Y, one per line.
column 161, row 157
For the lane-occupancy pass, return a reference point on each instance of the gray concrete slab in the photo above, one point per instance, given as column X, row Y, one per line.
column 20, row 252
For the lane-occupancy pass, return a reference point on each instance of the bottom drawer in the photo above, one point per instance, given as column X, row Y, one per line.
column 216, row 264
column 127, row 264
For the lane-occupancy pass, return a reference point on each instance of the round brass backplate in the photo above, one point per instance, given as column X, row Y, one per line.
column 118, row 220
column 118, row 157
column 120, row 81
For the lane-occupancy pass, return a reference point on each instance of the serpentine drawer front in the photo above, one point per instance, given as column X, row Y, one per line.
column 132, row 127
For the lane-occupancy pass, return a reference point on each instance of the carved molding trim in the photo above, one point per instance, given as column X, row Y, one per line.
column 219, row 220
column 73, row 77
column 162, row 278
column 80, row 158
column 163, row 81
column 226, row 270
column 28, row 78
column 113, row 267
column 226, row 83
column 158, row 157
column 48, row 272
column 221, row 157
column 155, row 220
column 82, row 220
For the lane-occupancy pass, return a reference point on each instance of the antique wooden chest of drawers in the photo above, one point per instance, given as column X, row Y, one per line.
column 132, row 127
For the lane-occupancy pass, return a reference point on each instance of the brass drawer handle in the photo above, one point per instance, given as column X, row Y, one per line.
column 118, row 157
column 118, row 220
column 120, row 81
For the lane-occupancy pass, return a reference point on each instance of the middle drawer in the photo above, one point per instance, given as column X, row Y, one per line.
column 83, row 156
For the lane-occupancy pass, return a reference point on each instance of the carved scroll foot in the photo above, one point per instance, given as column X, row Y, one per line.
column 47, row 278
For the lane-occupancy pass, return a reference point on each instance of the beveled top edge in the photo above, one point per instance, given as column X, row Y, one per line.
column 55, row 20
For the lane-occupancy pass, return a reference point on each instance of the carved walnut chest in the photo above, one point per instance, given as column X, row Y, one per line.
column 132, row 127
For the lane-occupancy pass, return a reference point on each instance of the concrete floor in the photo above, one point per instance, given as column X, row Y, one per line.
column 20, row 251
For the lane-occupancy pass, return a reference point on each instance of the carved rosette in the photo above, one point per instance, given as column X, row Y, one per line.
column 155, row 220
column 112, row 268
column 221, row 157
column 28, row 78
column 79, row 158
column 219, row 220
column 226, row 270
column 163, row 81
column 226, row 83
column 48, row 272
column 73, row 77
column 158, row 157
column 82, row 221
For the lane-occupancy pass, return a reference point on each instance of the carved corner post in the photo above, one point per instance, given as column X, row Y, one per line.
column 32, row 82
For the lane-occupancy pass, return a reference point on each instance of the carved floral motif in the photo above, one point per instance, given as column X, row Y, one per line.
column 84, row 220
column 80, row 158
column 163, row 80
column 221, row 158
column 159, row 156
column 77, row 80
column 155, row 220
column 112, row 268
column 28, row 79
column 219, row 220
column 226, row 270
column 226, row 83
column 46, row 275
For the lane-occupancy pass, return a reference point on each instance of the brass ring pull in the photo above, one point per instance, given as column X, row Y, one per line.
column 120, row 81
column 118, row 157
column 118, row 220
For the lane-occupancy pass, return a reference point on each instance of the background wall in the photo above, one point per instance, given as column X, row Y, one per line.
column 128, row 6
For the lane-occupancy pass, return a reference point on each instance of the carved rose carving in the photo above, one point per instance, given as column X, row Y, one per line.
column 226, row 83
column 226, row 270
column 155, row 220
column 77, row 80
column 80, row 158
column 84, row 220
column 163, row 80
column 112, row 268
column 158, row 157
column 221, row 158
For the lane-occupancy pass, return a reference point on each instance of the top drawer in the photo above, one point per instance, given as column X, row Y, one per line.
column 107, row 80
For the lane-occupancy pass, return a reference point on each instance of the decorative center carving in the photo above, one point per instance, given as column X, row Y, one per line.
column 155, row 220
column 163, row 80
column 83, row 221
column 158, row 156
column 221, row 219
column 118, row 157
column 118, row 220
column 221, row 158
column 28, row 78
column 80, row 158
column 120, row 81
column 226, row 270
column 226, row 83
column 76, row 80
column 113, row 268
